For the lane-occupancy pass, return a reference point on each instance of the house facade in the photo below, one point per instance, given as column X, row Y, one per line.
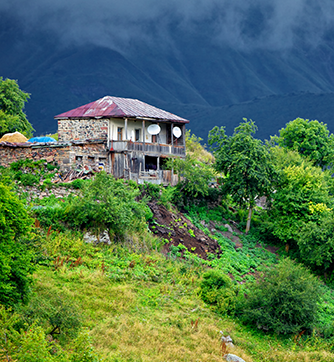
column 138, row 138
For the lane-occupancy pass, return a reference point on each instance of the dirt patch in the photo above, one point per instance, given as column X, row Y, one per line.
column 176, row 228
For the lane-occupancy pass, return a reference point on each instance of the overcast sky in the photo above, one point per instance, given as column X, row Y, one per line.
column 272, row 24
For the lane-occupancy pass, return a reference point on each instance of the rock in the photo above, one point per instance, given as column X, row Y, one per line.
column 228, row 228
column 233, row 358
column 227, row 340
column 92, row 238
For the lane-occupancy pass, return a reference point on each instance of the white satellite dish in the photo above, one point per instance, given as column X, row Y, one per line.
column 177, row 132
column 153, row 129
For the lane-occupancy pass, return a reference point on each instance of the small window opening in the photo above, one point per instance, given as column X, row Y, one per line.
column 119, row 133
column 137, row 135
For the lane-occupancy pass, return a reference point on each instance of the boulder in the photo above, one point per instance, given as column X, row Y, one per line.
column 233, row 358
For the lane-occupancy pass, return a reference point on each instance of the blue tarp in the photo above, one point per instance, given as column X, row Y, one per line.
column 42, row 139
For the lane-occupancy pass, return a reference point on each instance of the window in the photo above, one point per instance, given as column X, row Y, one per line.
column 154, row 138
column 137, row 135
column 119, row 133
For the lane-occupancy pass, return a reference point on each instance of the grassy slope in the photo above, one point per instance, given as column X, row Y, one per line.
column 141, row 307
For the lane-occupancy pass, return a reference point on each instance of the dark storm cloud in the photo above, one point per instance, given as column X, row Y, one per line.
column 273, row 24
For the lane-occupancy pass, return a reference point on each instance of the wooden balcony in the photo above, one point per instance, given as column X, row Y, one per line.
column 147, row 148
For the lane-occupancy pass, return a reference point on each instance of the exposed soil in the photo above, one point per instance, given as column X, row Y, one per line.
column 176, row 228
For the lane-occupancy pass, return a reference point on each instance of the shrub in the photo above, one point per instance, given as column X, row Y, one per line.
column 108, row 204
column 217, row 289
column 15, row 257
column 284, row 300
column 57, row 313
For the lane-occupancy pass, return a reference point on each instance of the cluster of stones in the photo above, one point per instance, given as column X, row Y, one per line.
column 34, row 192
column 229, row 357
column 71, row 129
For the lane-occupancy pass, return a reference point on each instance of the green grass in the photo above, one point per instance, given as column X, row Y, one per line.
column 142, row 307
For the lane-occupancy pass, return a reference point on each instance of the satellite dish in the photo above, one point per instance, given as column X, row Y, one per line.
column 177, row 132
column 153, row 129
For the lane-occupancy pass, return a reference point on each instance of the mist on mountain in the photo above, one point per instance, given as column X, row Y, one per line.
column 198, row 58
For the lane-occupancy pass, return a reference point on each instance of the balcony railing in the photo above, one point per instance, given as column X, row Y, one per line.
column 153, row 148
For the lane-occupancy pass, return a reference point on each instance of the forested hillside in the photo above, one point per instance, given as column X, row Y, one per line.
column 116, row 271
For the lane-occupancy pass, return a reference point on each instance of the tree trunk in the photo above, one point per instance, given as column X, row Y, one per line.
column 249, row 218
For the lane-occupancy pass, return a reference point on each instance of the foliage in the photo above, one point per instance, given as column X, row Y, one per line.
column 315, row 241
column 56, row 313
column 108, row 204
column 302, row 196
column 15, row 257
column 196, row 151
column 216, row 289
column 310, row 138
column 29, row 173
column 194, row 172
column 12, row 100
column 285, row 300
column 241, row 263
column 246, row 162
column 82, row 349
column 33, row 346
column 194, row 176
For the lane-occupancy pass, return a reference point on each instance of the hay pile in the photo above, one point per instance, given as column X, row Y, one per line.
column 15, row 137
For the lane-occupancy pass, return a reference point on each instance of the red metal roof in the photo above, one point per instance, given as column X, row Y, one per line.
column 119, row 108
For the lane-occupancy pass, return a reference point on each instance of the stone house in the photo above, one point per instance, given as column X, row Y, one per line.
column 138, row 138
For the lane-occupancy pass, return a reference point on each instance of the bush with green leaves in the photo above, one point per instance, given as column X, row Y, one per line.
column 108, row 204
column 302, row 194
column 283, row 300
column 217, row 290
column 57, row 314
column 316, row 241
column 15, row 256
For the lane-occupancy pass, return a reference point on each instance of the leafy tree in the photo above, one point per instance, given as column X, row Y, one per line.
column 15, row 258
column 246, row 162
column 108, row 204
column 285, row 300
column 310, row 138
column 12, row 100
column 301, row 191
column 316, row 240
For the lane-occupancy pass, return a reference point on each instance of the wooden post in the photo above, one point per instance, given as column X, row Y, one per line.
column 158, row 163
column 172, row 136
column 126, row 129
column 184, row 135
column 143, row 132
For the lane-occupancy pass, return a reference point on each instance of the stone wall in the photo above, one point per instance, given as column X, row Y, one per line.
column 74, row 129
column 66, row 156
